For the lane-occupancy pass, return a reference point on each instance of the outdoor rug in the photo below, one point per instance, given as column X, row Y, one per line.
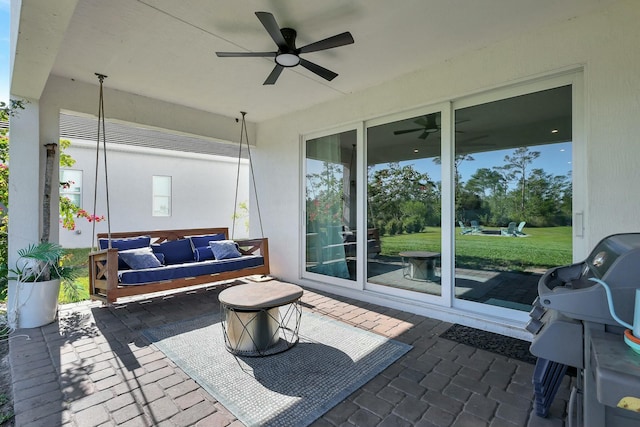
column 495, row 343
column 294, row 388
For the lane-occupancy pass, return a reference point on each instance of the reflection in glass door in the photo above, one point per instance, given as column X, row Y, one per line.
column 330, row 198
column 513, row 196
column 404, row 205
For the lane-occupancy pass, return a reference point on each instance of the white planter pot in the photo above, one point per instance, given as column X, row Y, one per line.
column 37, row 303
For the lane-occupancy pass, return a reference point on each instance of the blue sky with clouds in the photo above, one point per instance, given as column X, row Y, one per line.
column 4, row 49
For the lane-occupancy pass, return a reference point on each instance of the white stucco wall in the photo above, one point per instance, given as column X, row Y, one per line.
column 203, row 190
column 603, row 44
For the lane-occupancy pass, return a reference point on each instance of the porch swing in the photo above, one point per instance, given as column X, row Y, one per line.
column 143, row 262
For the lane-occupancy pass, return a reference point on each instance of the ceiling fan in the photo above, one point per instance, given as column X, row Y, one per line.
column 288, row 55
column 427, row 125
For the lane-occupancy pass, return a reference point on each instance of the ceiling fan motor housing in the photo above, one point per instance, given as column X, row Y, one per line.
column 288, row 57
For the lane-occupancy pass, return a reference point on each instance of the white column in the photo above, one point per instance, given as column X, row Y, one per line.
column 24, row 188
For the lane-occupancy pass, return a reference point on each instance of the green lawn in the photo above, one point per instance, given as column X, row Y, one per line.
column 77, row 258
column 541, row 249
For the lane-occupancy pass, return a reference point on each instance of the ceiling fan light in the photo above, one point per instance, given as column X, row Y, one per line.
column 287, row 59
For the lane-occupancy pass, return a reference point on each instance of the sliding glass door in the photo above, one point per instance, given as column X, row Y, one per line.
column 462, row 204
column 330, row 205
column 404, row 205
column 513, row 195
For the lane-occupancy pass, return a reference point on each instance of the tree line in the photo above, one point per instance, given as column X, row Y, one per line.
column 401, row 199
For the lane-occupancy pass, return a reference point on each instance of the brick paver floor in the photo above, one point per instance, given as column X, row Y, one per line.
column 93, row 368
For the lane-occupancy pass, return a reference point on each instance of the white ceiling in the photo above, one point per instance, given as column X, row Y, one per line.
column 165, row 49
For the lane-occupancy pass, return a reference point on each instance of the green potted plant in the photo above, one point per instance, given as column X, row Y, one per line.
column 39, row 275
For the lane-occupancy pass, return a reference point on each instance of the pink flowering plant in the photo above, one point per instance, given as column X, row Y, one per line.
column 69, row 211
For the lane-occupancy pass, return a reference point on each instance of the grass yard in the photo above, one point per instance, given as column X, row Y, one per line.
column 542, row 248
column 77, row 258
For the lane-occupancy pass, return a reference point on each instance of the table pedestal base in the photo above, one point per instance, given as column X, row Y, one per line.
column 262, row 332
column 421, row 269
column 419, row 265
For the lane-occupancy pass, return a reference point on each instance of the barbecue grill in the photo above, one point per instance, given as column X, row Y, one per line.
column 572, row 326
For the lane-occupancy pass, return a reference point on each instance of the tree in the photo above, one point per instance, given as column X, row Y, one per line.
column 325, row 195
column 546, row 199
column 491, row 186
column 487, row 183
column 463, row 200
column 400, row 193
column 516, row 165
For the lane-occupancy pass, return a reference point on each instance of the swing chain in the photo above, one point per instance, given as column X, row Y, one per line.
column 245, row 137
column 101, row 132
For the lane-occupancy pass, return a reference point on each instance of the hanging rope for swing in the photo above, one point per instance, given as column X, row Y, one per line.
column 101, row 132
column 245, row 137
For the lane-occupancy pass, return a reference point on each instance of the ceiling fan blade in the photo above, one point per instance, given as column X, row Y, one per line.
column 274, row 75
column 421, row 121
column 270, row 24
column 424, row 135
column 321, row 71
column 246, row 54
column 400, row 132
column 328, row 43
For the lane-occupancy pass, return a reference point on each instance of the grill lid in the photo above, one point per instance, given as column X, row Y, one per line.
column 616, row 261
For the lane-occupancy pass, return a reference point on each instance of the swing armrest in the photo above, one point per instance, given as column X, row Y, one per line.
column 255, row 247
column 103, row 272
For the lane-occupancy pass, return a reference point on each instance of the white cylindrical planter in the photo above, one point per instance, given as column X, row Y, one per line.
column 37, row 303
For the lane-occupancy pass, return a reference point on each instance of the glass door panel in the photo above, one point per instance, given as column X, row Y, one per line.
column 330, row 198
column 513, row 196
column 404, row 205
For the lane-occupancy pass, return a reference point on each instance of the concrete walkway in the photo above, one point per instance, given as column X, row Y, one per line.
column 93, row 368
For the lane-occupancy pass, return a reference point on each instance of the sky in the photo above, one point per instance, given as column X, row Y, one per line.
column 554, row 159
column 4, row 49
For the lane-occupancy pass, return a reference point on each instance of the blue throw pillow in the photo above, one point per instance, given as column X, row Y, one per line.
column 202, row 241
column 175, row 251
column 124, row 244
column 159, row 256
column 203, row 254
column 225, row 249
column 140, row 258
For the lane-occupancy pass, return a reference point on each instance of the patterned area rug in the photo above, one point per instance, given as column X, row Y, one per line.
column 495, row 343
column 293, row 388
